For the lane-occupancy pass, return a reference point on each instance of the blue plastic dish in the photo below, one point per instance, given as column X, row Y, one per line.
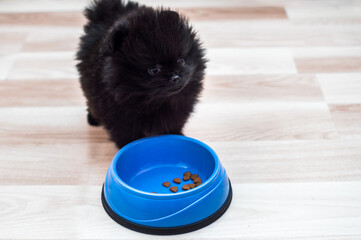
column 133, row 194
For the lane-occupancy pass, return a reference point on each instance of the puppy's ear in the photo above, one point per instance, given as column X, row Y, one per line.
column 167, row 14
column 168, row 19
column 115, row 38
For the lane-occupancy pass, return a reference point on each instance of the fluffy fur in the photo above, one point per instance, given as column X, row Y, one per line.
column 141, row 69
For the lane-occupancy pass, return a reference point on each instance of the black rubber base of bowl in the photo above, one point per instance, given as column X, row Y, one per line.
column 169, row 230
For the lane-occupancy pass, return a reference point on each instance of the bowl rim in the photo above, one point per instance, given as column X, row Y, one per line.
column 180, row 194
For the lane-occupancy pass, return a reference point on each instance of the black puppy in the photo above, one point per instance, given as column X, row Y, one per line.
column 141, row 69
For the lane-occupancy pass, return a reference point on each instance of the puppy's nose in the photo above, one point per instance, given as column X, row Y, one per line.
column 175, row 79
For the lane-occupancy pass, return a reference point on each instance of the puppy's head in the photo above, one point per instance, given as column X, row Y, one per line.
column 155, row 52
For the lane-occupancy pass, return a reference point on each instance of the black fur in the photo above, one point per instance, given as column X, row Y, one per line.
column 122, row 42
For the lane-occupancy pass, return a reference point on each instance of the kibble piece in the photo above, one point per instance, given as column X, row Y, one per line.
column 198, row 183
column 177, row 180
column 185, row 187
column 194, row 176
column 187, row 176
column 197, row 180
column 166, row 184
column 192, row 185
column 154, row 192
column 174, row 189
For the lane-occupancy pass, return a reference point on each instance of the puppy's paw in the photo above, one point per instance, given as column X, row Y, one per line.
column 176, row 132
column 92, row 121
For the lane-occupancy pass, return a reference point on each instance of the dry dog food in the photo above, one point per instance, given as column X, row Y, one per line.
column 185, row 187
column 197, row 180
column 177, row 180
column 166, row 184
column 187, row 176
column 174, row 189
column 194, row 176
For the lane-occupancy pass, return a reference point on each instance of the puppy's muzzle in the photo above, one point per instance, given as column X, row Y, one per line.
column 176, row 80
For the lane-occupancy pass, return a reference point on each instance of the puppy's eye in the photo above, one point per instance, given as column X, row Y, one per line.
column 153, row 70
column 181, row 61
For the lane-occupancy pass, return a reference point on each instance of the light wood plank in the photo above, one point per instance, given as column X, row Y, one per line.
column 262, row 88
column 327, row 59
column 47, row 65
column 327, row 52
column 229, row 61
column 55, row 164
column 39, row 212
column 48, row 125
column 43, row 18
column 347, row 119
column 341, row 11
column 277, row 33
column 224, row 13
column 6, row 63
column 11, row 42
column 290, row 161
column 342, row 88
column 260, row 121
column 336, row 64
column 26, row 93
column 50, row 40
column 21, row 6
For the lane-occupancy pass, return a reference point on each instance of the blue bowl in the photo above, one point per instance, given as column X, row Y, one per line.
column 133, row 194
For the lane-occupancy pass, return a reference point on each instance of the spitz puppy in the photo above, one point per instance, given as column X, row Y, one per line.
column 141, row 69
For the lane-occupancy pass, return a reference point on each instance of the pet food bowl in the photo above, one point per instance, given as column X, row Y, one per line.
column 133, row 194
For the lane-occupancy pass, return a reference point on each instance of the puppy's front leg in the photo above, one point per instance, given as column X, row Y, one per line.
column 123, row 133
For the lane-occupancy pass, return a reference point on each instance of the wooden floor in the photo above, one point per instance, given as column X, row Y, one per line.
column 281, row 107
